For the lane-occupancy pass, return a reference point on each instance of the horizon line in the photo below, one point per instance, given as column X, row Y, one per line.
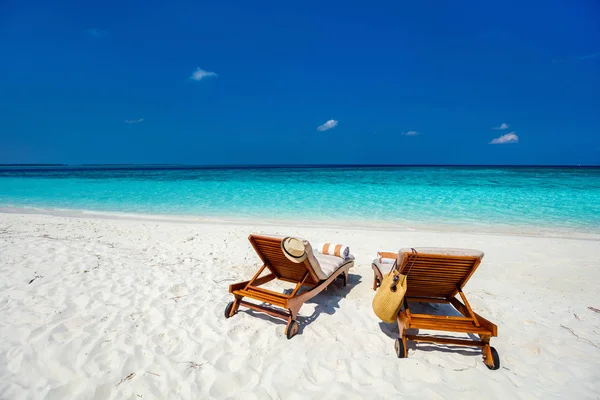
column 281, row 166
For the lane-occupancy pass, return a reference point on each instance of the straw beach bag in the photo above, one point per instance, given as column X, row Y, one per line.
column 388, row 298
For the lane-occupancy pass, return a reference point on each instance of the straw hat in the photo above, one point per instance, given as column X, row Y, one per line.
column 293, row 248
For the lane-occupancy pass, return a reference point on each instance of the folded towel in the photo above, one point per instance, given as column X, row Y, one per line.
column 386, row 257
column 338, row 250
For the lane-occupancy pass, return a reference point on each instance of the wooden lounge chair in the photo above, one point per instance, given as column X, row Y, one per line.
column 437, row 276
column 315, row 273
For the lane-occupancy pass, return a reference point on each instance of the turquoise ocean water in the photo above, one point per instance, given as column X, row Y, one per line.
column 517, row 198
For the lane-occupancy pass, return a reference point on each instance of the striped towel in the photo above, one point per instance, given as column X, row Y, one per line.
column 386, row 257
column 338, row 250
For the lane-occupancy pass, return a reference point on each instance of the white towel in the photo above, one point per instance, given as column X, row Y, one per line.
column 338, row 250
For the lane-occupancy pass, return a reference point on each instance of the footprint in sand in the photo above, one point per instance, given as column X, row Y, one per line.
column 533, row 349
column 177, row 290
column 14, row 357
column 213, row 354
column 232, row 382
column 238, row 332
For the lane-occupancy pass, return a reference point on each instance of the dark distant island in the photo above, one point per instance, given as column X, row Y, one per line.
column 34, row 165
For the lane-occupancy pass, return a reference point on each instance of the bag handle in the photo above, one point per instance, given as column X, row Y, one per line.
column 414, row 254
column 393, row 265
column 394, row 284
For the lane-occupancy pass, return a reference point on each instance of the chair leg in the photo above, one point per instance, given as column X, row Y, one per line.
column 233, row 307
column 490, row 356
column 376, row 281
column 401, row 351
column 236, row 306
column 292, row 327
column 487, row 356
column 377, row 277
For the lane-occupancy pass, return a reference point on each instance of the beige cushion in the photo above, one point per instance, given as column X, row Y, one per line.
column 384, row 266
column 312, row 260
column 329, row 264
column 445, row 251
column 323, row 265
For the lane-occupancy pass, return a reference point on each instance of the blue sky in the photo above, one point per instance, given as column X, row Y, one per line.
column 312, row 82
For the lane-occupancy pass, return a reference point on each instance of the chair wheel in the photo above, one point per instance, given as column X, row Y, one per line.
column 495, row 359
column 292, row 329
column 399, row 347
column 228, row 309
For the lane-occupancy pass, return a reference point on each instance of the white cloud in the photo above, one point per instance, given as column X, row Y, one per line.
column 504, row 139
column 134, row 121
column 589, row 56
column 502, row 127
column 97, row 33
column 411, row 133
column 200, row 74
column 332, row 123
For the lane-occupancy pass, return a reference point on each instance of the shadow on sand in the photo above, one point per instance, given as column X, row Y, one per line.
column 326, row 302
column 391, row 330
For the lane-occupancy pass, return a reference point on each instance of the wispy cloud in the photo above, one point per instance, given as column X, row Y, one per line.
column 411, row 133
column 502, row 127
column 505, row 139
column 97, row 33
column 332, row 123
column 590, row 56
column 134, row 121
column 200, row 74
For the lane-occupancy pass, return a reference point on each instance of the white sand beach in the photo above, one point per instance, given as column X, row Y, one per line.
column 108, row 308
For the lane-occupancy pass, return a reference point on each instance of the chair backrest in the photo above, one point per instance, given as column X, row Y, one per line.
column 438, row 272
column 269, row 250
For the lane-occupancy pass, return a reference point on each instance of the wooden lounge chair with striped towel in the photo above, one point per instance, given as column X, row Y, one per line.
column 437, row 275
column 311, row 271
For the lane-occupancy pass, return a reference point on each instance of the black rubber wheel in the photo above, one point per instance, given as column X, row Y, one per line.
column 495, row 358
column 292, row 329
column 399, row 347
column 228, row 309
